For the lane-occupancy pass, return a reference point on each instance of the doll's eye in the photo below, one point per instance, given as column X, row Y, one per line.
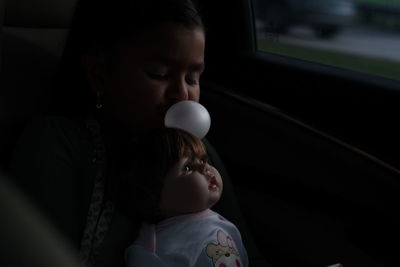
column 204, row 160
column 187, row 168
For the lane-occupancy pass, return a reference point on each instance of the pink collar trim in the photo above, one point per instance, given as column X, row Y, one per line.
column 148, row 234
column 185, row 217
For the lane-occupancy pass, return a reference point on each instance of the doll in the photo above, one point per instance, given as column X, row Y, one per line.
column 168, row 188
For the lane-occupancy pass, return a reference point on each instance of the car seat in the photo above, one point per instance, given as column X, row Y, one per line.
column 31, row 43
column 27, row 237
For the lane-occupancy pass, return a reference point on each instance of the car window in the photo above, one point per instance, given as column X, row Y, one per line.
column 359, row 35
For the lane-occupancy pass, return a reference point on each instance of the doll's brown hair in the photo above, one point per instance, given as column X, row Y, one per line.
column 146, row 162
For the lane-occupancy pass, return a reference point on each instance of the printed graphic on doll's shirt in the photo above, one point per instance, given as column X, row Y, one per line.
column 225, row 253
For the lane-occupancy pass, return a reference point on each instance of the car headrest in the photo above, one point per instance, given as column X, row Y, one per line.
column 39, row 13
column 33, row 35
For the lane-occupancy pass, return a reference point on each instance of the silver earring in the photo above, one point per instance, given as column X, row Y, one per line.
column 99, row 104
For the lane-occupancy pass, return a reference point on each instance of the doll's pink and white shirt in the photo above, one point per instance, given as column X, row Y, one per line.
column 199, row 239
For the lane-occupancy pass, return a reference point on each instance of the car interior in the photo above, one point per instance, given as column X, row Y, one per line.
column 312, row 150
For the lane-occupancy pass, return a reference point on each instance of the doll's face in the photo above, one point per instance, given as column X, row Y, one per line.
column 190, row 186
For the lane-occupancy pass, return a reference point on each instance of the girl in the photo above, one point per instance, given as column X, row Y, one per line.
column 125, row 63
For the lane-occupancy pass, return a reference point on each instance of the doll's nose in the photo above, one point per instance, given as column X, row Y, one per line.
column 206, row 169
column 203, row 169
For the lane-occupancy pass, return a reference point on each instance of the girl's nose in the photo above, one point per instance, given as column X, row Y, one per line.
column 178, row 90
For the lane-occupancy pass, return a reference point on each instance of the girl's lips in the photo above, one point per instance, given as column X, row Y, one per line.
column 162, row 109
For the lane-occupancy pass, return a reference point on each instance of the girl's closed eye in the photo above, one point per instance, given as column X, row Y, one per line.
column 156, row 71
column 157, row 75
column 192, row 78
column 191, row 81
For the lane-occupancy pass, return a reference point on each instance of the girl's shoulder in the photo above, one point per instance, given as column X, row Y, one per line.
column 55, row 125
column 45, row 139
column 52, row 163
column 52, row 130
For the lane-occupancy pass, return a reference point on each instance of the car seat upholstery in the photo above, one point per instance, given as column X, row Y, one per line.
column 31, row 43
column 27, row 238
column 33, row 37
column 1, row 28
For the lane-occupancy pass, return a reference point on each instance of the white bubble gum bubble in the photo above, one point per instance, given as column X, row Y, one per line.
column 189, row 116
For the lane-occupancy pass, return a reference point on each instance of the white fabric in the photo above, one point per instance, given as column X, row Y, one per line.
column 200, row 239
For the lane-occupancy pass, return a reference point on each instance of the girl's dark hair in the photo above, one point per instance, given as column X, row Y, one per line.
column 145, row 164
column 99, row 27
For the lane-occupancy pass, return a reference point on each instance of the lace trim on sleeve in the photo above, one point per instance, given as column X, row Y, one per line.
column 100, row 211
